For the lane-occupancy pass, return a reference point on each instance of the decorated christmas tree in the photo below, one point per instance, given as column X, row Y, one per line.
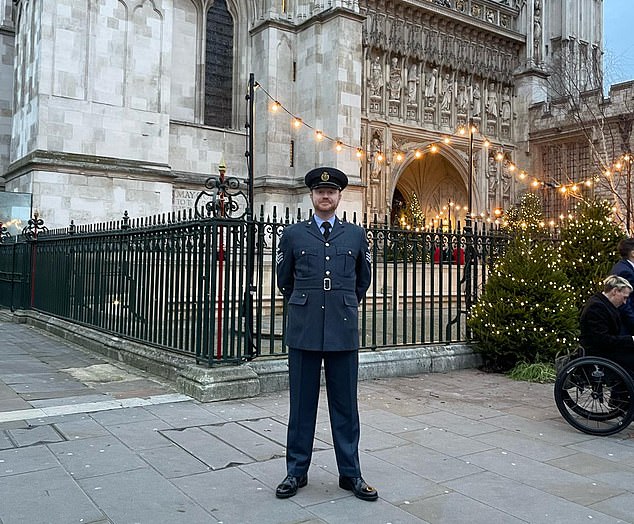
column 527, row 311
column 588, row 247
column 526, row 218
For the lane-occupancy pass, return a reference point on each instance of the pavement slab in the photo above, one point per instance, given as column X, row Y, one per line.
column 45, row 496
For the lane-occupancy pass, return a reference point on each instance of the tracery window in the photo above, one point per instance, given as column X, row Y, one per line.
column 219, row 66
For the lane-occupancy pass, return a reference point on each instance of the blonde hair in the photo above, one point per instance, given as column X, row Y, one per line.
column 615, row 282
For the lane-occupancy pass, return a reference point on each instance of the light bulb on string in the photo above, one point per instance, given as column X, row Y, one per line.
column 319, row 135
column 338, row 145
column 297, row 123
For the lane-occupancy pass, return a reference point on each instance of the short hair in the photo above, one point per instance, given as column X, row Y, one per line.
column 625, row 247
column 615, row 282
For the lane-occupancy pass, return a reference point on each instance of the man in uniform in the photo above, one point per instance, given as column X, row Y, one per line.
column 323, row 270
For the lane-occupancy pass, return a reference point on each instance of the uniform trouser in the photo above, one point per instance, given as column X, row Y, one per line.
column 341, row 369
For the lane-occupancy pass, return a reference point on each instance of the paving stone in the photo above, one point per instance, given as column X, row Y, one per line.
column 173, row 461
column 545, row 477
column 523, row 445
column 115, row 417
column 389, row 423
column 396, row 484
column 465, row 426
column 427, row 463
column 48, row 496
column 250, row 442
column 154, row 498
column 451, row 508
column 23, row 460
column 34, row 435
column 236, row 410
column 79, row 428
column 95, row 457
column 558, row 434
column 620, row 475
column 207, row 448
column 145, row 434
column 140, row 388
column 5, row 441
column 14, row 404
column 185, row 414
column 351, row 509
column 224, row 493
column 271, row 428
column 66, row 398
column 620, row 507
column 522, row 501
column 445, row 441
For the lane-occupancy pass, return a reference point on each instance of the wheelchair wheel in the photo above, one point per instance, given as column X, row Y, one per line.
column 595, row 395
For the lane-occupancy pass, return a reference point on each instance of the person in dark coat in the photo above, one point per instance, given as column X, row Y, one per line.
column 625, row 268
column 323, row 270
column 600, row 323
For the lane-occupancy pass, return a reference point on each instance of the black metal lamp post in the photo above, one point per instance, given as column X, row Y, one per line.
column 470, row 181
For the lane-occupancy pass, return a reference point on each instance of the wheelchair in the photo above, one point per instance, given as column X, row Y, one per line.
column 595, row 395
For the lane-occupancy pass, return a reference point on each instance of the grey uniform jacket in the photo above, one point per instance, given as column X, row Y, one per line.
column 324, row 282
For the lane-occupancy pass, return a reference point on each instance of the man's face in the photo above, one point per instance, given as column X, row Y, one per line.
column 325, row 200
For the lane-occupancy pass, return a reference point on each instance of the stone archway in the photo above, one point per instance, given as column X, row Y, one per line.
column 430, row 191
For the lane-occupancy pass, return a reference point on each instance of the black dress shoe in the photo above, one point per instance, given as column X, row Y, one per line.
column 359, row 487
column 290, row 485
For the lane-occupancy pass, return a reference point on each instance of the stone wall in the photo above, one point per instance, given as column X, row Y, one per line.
column 7, row 36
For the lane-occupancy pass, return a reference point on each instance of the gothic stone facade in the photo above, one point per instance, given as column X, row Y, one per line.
column 131, row 104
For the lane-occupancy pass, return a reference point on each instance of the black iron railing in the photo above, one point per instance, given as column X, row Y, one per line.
column 183, row 282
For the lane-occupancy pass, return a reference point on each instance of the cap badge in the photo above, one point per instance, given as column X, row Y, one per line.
column 325, row 176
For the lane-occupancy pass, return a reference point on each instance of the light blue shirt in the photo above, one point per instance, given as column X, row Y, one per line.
column 320, row 221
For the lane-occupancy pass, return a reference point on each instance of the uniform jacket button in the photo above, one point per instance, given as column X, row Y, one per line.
column 327, row 258
column 328, row 272
column 327, row 244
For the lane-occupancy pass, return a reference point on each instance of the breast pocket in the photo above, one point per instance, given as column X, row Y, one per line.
column 304, row 261
column 346, row 259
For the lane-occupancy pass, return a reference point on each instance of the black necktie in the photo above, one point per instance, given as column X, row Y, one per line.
column 326, row 226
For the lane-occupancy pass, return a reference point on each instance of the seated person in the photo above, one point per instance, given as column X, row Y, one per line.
column 601, row 323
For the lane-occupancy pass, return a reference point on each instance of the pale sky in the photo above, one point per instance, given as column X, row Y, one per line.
column 618, row 35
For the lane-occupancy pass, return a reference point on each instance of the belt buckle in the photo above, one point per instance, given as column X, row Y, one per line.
column 327, row 284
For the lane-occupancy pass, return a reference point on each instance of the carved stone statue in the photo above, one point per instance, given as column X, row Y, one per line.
column 462, row 97
column 492, row 177
column 505, row 111
column 375, row 164
column 492, row 102
column 537, row 32
column 447, row 91
column 376, row 77
column 394, row 86
column 476, row 101
column 412, row 83
column 430, row 86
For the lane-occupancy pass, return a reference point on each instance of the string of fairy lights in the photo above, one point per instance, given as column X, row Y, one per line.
column 534, row 182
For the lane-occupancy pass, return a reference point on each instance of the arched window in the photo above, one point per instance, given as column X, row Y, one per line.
column 219, row 65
